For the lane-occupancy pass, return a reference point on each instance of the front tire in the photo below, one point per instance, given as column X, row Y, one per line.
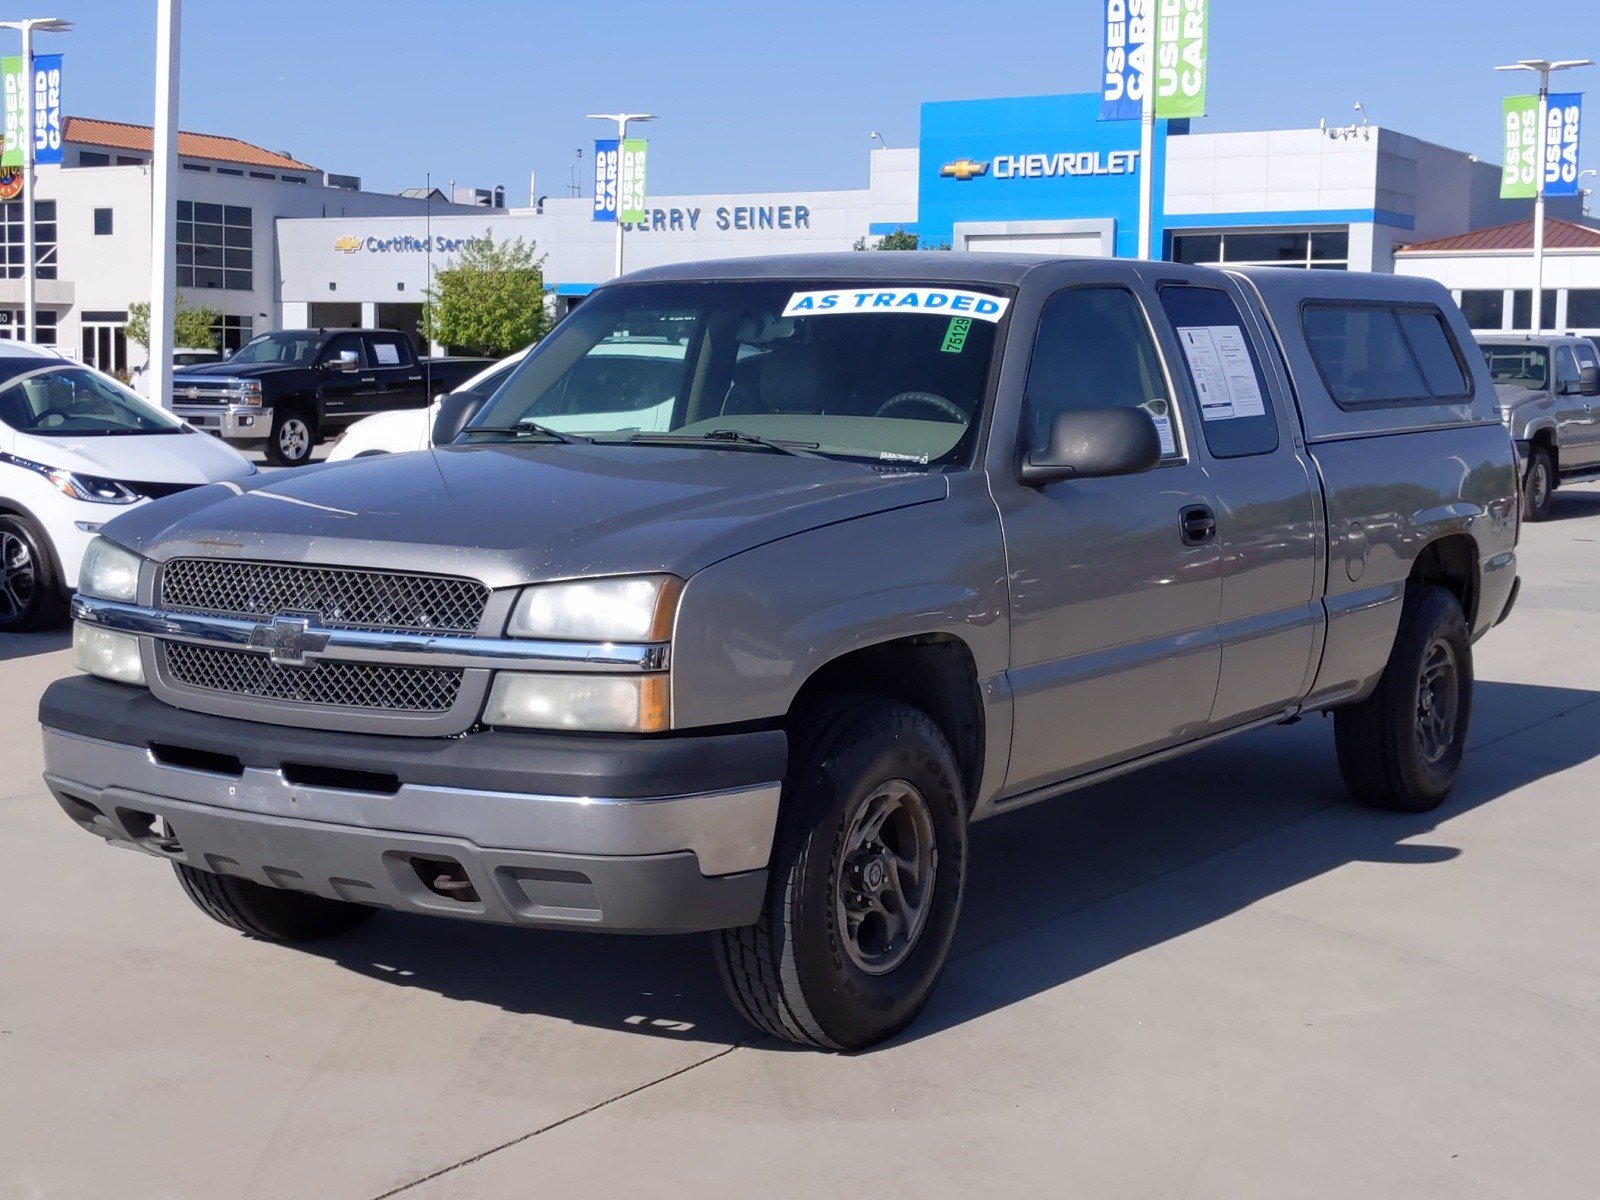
column 272, row 914
column 1401, row 748
column 31, row 595
column 1539, row 486
column 292, row 440
column 865, row 885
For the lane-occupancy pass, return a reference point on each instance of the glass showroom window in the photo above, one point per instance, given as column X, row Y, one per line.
column 1318, row 249
column 44, row 228
column 105, row 341
column 44, row 322
column 1583, row 309
column 231, row 333
column 1485, row 307
column 215, row 246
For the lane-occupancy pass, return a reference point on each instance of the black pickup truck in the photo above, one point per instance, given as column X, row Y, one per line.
column 290, row 389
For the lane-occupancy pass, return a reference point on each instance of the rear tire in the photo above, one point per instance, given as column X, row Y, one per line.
column 31, row 595
column 293, row 438
column 866, row 880
column 1401, row 748
column 272, row 914
column 1539, row 486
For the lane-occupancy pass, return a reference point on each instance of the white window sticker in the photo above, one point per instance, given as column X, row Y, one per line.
column 1225, row 377
column 1162, row 417
column 945, row 302
column 388, row 353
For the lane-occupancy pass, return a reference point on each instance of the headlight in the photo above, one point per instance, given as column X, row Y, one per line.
column 109, row 572
column 595, row 703
column 250, row 391
column 89, row 488
column 107, row 653
column 636, row 609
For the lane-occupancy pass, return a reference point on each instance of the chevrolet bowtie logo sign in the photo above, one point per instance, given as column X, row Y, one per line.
column 964, row 169
column 288, row 640
column 347, row 244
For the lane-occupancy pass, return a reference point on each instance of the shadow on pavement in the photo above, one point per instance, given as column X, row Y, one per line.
column 1248, row 797
column 24, row 645
column 1570, row 505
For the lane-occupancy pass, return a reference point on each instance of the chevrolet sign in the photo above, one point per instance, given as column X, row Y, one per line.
column 288, row 639
column 1044, row 166
column 347, row 244
column 963, row 169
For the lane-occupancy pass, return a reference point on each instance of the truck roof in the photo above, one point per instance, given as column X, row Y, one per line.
column 935, row 266
column 1487, row 336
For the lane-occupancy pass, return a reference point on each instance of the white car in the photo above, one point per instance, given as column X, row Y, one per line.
column 627, row 384
column 76, row 449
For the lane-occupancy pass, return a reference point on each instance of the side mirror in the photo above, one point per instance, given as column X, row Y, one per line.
column 346, row 362
column 456, row 410
column 1094, row 444
column 1589, row 381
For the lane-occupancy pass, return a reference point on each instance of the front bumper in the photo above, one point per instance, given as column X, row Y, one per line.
column 231, row 422
column 575, row 832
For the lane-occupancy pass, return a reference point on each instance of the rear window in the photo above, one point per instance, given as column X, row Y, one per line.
column 1381, row 354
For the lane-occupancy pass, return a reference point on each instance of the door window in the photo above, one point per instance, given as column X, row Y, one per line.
column 345, row 343
column 1094, row 350
column 1566, row 370
column 1236, row 412
column 387, row 350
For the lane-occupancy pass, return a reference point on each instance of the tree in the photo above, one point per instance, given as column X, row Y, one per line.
column 900, row 238
column 490, row 300
column 193, row 327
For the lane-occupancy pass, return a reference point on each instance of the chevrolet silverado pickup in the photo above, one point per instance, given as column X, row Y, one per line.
column 926, row 538
column 1547, row 387
column 286, row 391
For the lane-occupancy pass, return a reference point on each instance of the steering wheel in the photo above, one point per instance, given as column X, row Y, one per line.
column 939, row 404
column 49, row 415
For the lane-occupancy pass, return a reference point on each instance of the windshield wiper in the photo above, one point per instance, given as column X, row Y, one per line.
column 736, row 436
column 528, row 427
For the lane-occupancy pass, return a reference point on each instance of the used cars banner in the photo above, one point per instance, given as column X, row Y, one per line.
column 1174, row 33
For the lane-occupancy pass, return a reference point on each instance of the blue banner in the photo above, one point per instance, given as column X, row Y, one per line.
column 606, row 178
column 47, row 108
column 1125, row 65
column 1562, row 117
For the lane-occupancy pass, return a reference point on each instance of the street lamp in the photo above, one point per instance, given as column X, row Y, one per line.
column 27, row 27
column 1544, row 68
column 622, row 120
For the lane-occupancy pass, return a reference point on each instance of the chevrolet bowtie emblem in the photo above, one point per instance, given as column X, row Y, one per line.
column 288, row 640
column 347, row 244
column 964, row 169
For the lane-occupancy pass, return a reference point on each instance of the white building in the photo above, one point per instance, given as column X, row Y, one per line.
column 93, row 229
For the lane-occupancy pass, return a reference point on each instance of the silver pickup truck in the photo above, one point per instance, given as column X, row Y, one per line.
column 926, row 538
column 1547, row 385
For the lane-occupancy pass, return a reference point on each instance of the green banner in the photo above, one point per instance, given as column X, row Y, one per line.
column 16, row 110
column 1181, row 52
column 1520, row 127
column 630, row 202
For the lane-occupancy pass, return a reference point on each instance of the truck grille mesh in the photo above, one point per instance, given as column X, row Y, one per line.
column 337, row 684
column 339, row 598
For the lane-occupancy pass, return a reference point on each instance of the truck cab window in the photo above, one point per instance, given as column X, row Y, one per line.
column 1236, row 411
column 1566, row 369
column 345, row 343
column 1094, row 350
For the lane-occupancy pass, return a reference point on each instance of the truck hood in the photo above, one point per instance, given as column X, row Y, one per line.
column 1509, row 395
column 186, row 457
column 510, row 515
column 227, row 370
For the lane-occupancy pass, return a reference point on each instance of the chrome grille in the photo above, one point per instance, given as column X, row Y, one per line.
column 337, row 684
column 339, row 598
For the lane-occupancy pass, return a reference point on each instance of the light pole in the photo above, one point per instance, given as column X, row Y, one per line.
column 163, row 204
column 1544, row 68
column 622, row 120
column 27, row 26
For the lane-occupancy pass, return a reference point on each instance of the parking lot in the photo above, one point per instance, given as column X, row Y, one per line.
column 1213, row 978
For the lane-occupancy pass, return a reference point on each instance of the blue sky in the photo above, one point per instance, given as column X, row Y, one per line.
column 756, row 95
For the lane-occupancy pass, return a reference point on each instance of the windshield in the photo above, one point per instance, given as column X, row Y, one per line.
column 1525, row 366
column 886, row 372
column 73, row 401
column 297, row 349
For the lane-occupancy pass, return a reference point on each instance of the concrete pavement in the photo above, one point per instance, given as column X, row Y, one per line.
column 1211, row 979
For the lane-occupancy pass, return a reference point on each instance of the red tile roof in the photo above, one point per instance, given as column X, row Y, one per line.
column 1558, row 235
column 121, row 136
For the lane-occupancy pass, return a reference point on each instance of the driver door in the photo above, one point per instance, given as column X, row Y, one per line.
column 346, row 395
column 1580, row 424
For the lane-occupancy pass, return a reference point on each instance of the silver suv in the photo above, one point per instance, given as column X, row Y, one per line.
column 916, row 540
column 1547, row 386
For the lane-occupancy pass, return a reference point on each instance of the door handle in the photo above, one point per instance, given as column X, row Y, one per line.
column 368, row 379
column 1198, row 524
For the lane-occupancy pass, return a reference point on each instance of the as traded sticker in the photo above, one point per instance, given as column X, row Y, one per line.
column 942, row 301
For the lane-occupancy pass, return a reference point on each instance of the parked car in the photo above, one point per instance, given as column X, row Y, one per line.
column 287, row 391
column 76, row 449
column 928, row 538
column 183, row 356
column 625, row 384
column 1547, row 384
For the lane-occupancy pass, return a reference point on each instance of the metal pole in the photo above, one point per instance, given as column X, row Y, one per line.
column 163, row 205
column 1147, row 179
column 30, row 307
column 1538, row 205
column 622, row 136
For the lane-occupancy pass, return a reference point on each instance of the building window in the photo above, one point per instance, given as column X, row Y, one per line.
column 1583, row 308
column 230, row 171
column 44, row 322
column 129, row 160
column 262, row 175
column 197, row 167
column 102, row 222
column 44, row 229
column 215, row 246
column 105, row 342
column 1318, row 249
column 1485, row 307
column 93, row 158
column 293, row 178
column 1522, row 310
column 233, row 332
